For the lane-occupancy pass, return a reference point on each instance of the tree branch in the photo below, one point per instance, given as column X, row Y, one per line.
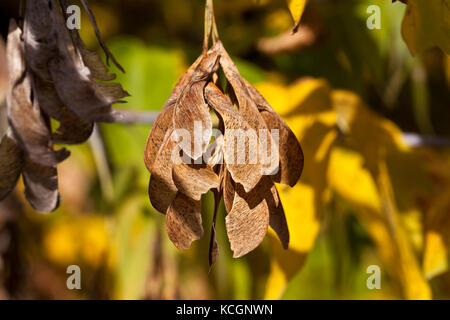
column 135, row 117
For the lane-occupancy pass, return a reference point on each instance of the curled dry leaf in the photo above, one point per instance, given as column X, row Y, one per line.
column 10, row 164
column 184, row 221
column 72, row 129
column 247, row 221
column 41, row 186
column 93, row 99
column 162, row 189
column 248, row 108
column 52, row 75
column 290, row 151
column 28, row 124
column 194, row 180
column 164, row 121
column 191, row 109
column 245, row 173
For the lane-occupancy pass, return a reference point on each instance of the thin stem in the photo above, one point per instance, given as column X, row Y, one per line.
column 21, row 12
column 213, row 249
column 108, row 53
column 214, row 26
column 210, row 25
column 101, row 162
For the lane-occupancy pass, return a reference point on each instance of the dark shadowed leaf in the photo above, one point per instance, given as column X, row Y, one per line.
column 92, row 100
column 72, row 129
column 228, row 191
column 277, row 219
column 11, row 161
column 41, row 186
column 27, row 123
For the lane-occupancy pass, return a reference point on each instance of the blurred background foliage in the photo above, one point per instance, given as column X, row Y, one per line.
column 369, row 195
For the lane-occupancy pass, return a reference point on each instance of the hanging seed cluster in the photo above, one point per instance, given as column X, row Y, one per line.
column 248, row 190
column 52, row 75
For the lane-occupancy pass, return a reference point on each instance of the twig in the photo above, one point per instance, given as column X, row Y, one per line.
column 108, row 53
column 101, row 162
column 414, row 140
column 135, row 117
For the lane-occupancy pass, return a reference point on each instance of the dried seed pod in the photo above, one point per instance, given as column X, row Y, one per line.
column 245, row 119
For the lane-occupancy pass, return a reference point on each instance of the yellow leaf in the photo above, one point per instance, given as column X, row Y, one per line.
column 297, row 7
column 437, row 239
column 427, row 24
column 364, row 130
column 305, row 96
column 372, row 201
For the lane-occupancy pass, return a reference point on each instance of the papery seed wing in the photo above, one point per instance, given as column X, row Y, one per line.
column 236, row 130
column 162, row 189
column 41, row 186
column 247, row 221
column 248, row 109
column 27, row 123
column 164, row 121
column 162, row 125
column 182, row 83
column 192, row 112
column 184, row 221
column 291, row 154
column 194, row 180
column 11, row 161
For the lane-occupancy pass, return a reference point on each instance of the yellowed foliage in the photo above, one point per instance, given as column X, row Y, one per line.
column 427, row 24
column 87, row 238
column 354, row 183
column 364, row 167
column 297, row 7
column 437, row 239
